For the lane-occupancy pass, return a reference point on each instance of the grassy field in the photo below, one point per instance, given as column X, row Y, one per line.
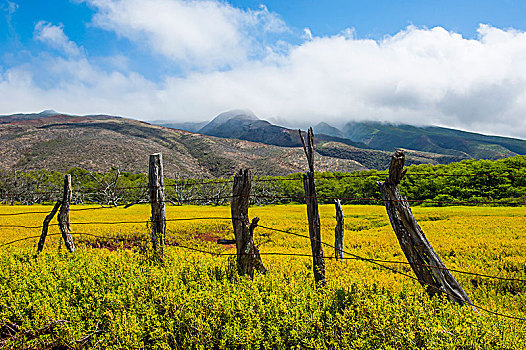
column 114, row 297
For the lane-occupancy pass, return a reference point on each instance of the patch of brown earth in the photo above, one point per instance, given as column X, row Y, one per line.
column 213, row 237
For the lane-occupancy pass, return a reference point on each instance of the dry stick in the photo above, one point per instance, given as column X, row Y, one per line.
column 156, row 190
column 45, row 225
column 338, row 230
column 63, row 215
column 142, row 201
column 313, row 215
column 413, row 241
column 248, row 257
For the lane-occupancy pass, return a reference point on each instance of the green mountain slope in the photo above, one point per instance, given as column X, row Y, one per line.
column 385, row 136
column 244, row 125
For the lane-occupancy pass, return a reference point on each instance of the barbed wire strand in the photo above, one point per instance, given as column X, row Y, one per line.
column 322, row 198
column 395, row 271
column 391, row 261
column 381, row 200
column 189, row 182
column 71, row 210
column 329, row 245
column 413, row 278
column 268, row 228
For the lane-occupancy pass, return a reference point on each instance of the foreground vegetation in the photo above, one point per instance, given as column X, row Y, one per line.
column 114, row 297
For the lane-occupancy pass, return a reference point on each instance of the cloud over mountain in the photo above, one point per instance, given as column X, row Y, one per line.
column 227, row 57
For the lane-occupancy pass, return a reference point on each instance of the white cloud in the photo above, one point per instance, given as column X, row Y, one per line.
column 54, row 36
column 307, row 34
column 422, row 76
column 194, row 33
column 418, row 76
column 11, row 7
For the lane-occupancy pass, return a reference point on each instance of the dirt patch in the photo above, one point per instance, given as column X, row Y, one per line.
column 130, row 243
column 213, row 237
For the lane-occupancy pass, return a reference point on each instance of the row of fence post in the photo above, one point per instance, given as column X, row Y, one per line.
column 417, row 249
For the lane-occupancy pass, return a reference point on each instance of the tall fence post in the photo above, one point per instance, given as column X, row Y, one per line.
column 248, row 257
column 318, row 264
column 63, row 215
column 156, row 191
column 338, row 230
column 414, row 244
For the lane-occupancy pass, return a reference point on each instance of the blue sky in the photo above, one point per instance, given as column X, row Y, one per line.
column 450, row 63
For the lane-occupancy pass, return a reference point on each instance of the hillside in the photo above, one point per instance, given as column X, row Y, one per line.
column 389, row 137
column 245, row 125
column 368, row 143
column 59, row 142
column 96, row 142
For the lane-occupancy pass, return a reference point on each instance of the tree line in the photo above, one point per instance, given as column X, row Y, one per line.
column 469, row 180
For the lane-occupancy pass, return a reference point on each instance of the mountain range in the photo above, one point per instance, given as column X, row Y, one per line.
column 232, row 140
column 364, row 141
column 55, row 141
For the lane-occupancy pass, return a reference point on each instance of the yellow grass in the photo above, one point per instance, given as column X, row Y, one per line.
column 476, row 239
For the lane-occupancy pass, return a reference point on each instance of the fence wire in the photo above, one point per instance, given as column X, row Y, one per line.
column 350, row 256
column 354, row 256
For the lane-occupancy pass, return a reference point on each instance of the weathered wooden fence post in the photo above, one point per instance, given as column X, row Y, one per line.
column 248, row 257
column 45, row 226
column 338, row 230
column 158, row 219
column 318, row 264
column 413, row 241
column 63, row 215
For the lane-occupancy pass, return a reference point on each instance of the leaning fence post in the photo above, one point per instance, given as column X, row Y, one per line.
column 248, row 257
column 63, row 215
column 318, row 264
column 414, row 244
column 158, row 219
column 45, row 226
column 338, row 230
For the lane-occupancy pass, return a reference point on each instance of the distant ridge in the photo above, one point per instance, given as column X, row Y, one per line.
column 389, row 137
column 60, row 142
column 48, row 112
column 245, row 125
column 443, row 145
column 223, row 120
column 233, row 139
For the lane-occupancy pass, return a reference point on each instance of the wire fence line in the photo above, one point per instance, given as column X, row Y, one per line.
column 378, row 263
column 319, row 198
column 353, row 256
column 196, row 182
column 350, row 256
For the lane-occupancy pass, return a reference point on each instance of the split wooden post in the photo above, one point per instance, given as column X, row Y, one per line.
column 45, row 226
column 414, row 244
column 248, row 258
column 338, row 230
column 156, row 191
column 63, row 215
column 318, row 264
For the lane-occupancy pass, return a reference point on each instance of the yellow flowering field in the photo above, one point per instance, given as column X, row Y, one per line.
column 113, row 296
